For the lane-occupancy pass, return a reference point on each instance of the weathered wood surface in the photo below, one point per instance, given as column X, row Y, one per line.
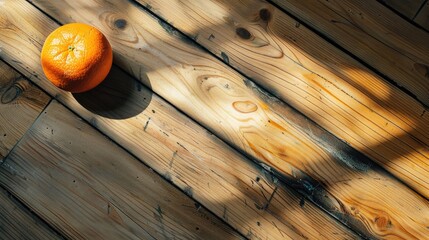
column 20, row 104
column 373, row 33
column 313, row 76
column 422, row 19
column 17, row 222
column 361, row 195
column 87, row 187
column 228, row 184
column 407, row 8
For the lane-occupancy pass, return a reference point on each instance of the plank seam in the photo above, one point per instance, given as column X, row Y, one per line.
column 29, row 129
column 409, row 20
column 354, row 57
column 33, row 214
column 419, row 10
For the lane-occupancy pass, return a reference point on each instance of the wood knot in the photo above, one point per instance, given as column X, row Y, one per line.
column 383, row 222
column 265, row 14
column 245, row 106
column 120, row 23
column 243, row 33
column 14, row 91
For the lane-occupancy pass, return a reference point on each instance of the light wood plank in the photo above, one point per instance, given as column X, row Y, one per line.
column 87, row 187
column 193, row 159
column 422, row 19
column 316, row 78
column 16, row 222
column 329, row 173
column 20, row 104
column 408, row 8
column 373, row 33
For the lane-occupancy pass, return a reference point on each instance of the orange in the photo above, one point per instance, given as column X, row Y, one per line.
column 76, row 57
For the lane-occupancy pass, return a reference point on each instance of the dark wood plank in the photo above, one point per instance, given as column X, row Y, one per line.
column 373, row 33
column 20, row 104
column 321, row 81
column 345, row 183
column 407, row 8
column 422, row 19
column 231, row 186
column 17, row 222
column 87, row 187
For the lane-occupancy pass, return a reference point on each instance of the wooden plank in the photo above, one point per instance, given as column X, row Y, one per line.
column 327, row 171
column 316, row 78
column 17, row 222
column 193, row 159
column 177, row 70
column 422, row 19
column 21, row 103
column 87, row 187
column 407, row 8
column 373, row 33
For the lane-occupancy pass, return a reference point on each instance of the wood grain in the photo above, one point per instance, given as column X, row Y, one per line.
column 16, row 222
column 422, row 18
column 343, row 182
column 20, row 104
column 316, row 78
column 374, row 34
column 247, row 196
column 87, row 187
column 408, row 8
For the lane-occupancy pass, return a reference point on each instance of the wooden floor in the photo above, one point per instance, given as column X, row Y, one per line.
column 220, row 120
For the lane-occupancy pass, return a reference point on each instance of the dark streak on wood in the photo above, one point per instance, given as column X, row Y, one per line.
column 148, row 6
column 172, row 159
column 188, row 190
column 108, row 208
column 224, row 57
column 147, row 123
column 302, row 202
column 197, row 206
column 168, row 27
column 159, row 210
column 224, row 216
column 182, row 146
column 168, row 177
